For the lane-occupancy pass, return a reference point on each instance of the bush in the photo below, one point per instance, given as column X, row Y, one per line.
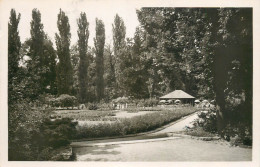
column 57, row 133
column 237, row 132
column 148, row 102
column 208, row 121
column 65, row 100
column 23, row 127
column 151, row 102
column 32, row 136
column 92, row 106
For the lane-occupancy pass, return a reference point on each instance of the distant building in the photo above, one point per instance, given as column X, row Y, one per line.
column 180, row 95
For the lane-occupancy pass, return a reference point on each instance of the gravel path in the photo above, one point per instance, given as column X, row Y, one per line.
column 180, row 125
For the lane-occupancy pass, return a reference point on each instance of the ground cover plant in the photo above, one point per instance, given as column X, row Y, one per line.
column 84, row 115
column 138, row 124
column 238, row 133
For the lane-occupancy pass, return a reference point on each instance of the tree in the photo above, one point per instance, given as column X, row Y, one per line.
column 160, row 49
column 119, row 31
column 83, row 34
column 176, row 44
column 64, row 67
column 232, row 67
column 99, row 42
column 92, row 75
column 41, row 65
column 109, row 73
column 75, row 59
column 14, row 45
column 35, row 65
column 49, row 77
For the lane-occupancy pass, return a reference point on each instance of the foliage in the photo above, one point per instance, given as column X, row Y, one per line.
column 23, row 125
column 49, row 83
column 109, row 73
column 93, row 106
column 57, row 133
column 66, row 100
column 83, row 34
column 32, row 136
column 35, row 64
column 203, row 51
column 99, row 42
column 132, row 125
column 150, row 102
column 237, row 131
column 14, row 45
column 199, row 132
column 84, row 115
column 207, row 120
column 119, row 31
column 64, row 67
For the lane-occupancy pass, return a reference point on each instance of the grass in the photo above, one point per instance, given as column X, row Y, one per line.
column 199, row 132
column 138, row 109
column 86, row 115
column 138, row 124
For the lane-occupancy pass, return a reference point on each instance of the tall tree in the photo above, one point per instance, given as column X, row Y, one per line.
column 14, row 45
column 109, row 75
column 64, row 67
column 49, row 77
column 99, row 42
column 232, row 67
column 83, row 34
column 35, row 65
column 41, row 65
column 119, row 31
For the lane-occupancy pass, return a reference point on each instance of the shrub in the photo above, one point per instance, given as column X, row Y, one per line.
column 65, row 100
column 92, row 106
column 57, row 133
column 207, row 120
column 151, row 102
column 32, row 136
column 23, row 127
column 148, row 102
column 237, row 131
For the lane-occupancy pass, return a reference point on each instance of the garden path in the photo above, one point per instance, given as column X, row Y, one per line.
column 159, row 146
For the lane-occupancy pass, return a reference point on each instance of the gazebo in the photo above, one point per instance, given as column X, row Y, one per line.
column 184, row 97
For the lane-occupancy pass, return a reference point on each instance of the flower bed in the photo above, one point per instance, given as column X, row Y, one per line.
column 138, row 124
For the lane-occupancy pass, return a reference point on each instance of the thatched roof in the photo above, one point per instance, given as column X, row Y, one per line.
column 177, row 94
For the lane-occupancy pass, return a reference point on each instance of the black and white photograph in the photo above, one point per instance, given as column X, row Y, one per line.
column 90, row 81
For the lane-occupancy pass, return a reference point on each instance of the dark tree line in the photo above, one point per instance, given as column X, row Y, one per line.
column 206, row 52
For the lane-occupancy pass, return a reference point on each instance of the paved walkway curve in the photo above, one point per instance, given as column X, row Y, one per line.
column 160, row 146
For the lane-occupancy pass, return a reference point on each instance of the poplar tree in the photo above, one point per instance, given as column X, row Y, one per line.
column 14, row 45
column 99, row 42
column 119, row 31
column 35, row 66
column 83, row 34
column 64, row 67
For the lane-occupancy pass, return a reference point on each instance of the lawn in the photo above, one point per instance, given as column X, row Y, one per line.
column 112, row 123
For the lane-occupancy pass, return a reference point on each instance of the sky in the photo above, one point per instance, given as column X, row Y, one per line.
column 72, row 8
